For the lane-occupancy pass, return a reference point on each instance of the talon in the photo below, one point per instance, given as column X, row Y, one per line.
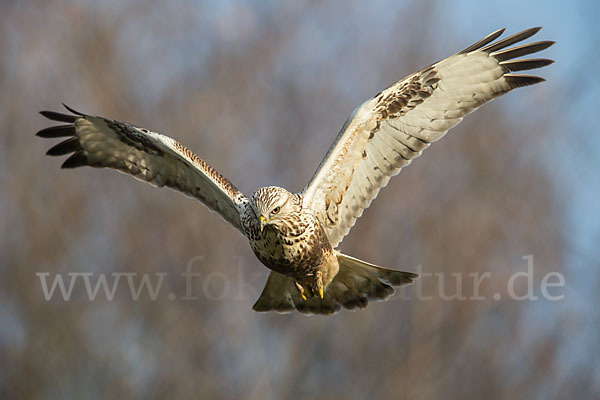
column 300, row 289
column 321, row 293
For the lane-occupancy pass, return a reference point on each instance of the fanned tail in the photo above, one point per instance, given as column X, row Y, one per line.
column 355, row 284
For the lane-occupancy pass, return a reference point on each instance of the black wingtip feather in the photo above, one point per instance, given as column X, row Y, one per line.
column 512, row 39
column 516, row 80
column 73, row 111
column 525, row 64
column 489, row 38
column 54, row 116
column 521, row 50
column 66, row 147
column 78, row 159
column 57, row 131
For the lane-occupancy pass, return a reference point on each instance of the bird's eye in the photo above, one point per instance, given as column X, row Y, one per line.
column 276, row 210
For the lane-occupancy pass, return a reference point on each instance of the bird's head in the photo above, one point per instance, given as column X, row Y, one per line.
column 273, row 204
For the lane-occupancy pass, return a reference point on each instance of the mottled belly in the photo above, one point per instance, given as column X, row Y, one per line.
column 290, row 257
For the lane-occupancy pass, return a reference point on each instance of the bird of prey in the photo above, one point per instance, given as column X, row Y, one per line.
column 296, row 234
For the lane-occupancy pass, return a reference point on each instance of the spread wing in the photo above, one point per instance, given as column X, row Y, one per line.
column 145, row 155
column 388, row 131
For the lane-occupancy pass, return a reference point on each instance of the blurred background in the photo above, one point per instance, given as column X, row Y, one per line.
column 259, row 90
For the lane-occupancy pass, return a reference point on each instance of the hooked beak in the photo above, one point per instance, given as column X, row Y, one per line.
column 262, row 222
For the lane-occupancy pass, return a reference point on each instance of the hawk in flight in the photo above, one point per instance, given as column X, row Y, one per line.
column 296, row 234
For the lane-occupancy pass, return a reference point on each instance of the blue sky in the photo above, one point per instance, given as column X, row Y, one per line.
column 574, row 26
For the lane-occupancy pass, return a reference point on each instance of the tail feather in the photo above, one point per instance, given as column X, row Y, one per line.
column 390, row 276
column 278, row 294
column 355, row 284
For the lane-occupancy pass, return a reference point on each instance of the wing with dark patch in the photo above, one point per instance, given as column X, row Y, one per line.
column 393, row 128
column 145, row 155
